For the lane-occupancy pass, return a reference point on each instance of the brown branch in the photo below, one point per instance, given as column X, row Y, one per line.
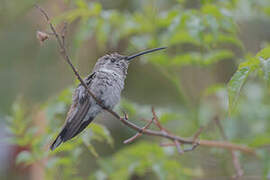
column 139, row 133
column 226, row 145
column 176, row 143
column 177, row 140
column 220, row 144
column 156, row 120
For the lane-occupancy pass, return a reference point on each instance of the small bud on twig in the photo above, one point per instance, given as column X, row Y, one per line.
column 42, row 36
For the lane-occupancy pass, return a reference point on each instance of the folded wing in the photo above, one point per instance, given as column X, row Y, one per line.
column 77, row 119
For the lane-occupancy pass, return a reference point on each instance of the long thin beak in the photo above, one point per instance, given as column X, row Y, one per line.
column 144, row 52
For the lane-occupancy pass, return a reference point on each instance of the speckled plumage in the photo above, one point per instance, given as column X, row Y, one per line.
column 106, row 82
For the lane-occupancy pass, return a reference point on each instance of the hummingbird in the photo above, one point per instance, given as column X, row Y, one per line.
column 106, row 82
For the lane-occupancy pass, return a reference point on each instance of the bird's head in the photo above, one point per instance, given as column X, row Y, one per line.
column 119, row 63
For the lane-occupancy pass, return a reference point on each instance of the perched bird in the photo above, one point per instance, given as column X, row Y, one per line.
column 106, row 82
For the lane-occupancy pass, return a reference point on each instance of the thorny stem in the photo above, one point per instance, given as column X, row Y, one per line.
column 177, row 140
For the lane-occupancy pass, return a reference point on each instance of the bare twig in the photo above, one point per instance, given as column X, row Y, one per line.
column 196, row 144
column 138, row 134
column 178, row 147
column 236, row 162
column 63, row 34
column 162, row 129
column 221, row 145
column 156, row 120
column 177, row 141
column 197, row 134
column 237, row 166
column 66, row 56
column 227, row 145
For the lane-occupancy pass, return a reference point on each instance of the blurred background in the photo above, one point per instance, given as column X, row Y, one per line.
column 216, row 66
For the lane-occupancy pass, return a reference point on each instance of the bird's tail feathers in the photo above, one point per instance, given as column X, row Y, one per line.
column 58, row 140
column 70, row 131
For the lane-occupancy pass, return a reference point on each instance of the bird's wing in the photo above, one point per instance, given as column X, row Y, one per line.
column 75, row 121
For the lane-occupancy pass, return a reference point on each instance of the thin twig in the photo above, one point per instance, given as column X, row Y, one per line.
column 63, row 33
column 158, row 123
column 196, row 144
column 66, row 56
column 138, row 134
column 197, row 134
column 227, row 145
column 176, row 143
column 162, row 129
column 163, row 132
column 236, row 162
column 156, row 119
column 178, row 147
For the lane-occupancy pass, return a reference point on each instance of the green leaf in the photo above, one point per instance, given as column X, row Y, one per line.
column 194, row 58
column 86, row 137
column 264, row 53
column 97, row 132
column 238, row 80
column 230, row 39
column 212, row 10
column 213, row 89
column 139, row 158
column 260, row 140
column 92, row 150
column 265, row 64
column 81, row 4
column 101, row 133
column 235, row 85
column 182, row 37
column 215, row 56
column 187, row 59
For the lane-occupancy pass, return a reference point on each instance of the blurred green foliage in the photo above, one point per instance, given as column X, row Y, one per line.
column 199, row 34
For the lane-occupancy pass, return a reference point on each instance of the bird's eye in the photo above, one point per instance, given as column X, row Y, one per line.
column 112, row 60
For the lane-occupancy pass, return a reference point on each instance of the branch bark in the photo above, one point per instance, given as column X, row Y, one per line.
column 177, row 140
